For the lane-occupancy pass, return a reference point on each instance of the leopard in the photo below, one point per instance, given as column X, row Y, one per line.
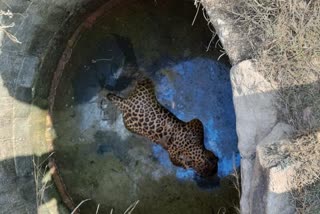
column 184, row 141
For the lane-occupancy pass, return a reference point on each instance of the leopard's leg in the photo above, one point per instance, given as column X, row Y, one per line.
column 178, row 158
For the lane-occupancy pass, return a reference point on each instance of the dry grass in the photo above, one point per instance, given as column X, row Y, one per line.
column 307, row 199
column 285, row 39
column 236, row 181
column 304, row 152
column 129, row 210
column 284, row 36
column 42, row 178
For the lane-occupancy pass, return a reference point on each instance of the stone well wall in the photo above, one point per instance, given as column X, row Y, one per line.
column 27, row 69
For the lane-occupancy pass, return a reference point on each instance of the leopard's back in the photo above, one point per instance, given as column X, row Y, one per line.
column 144, row 115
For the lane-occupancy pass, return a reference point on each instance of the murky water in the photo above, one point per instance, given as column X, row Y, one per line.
column 98, row 158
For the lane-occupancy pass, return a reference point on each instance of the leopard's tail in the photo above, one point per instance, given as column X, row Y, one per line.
column 116, row 100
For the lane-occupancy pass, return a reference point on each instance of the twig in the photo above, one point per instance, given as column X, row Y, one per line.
column 211, row 40
column 8, row 13
column 97, row 208
column 221, row 55
column 195, row 16
column 77, row 207
column 97, row 60
column 131, row 207
column 3, row 28
column 222, row 210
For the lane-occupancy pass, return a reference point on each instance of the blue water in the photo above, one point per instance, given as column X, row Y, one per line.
column 200, row 88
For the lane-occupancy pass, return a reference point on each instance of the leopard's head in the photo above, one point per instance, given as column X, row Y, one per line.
column 207, row 164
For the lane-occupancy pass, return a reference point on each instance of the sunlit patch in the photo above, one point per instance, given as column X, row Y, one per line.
column 51, row 205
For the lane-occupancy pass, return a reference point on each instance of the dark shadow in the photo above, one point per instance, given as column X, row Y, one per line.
column 106, row 67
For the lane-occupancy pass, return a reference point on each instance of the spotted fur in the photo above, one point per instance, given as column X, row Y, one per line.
column 143, row 115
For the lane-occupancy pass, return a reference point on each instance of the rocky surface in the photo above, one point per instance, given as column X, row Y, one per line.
column 232, row 36
column 264, row 183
